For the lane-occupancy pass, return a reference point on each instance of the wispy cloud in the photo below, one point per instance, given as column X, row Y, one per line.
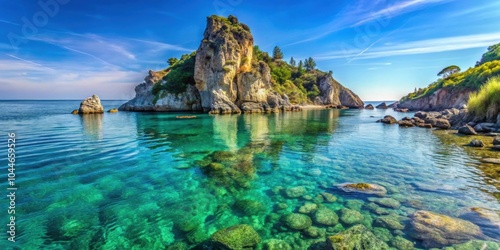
column 9, row 22
column 421, row 47
column 362, row 12
column 396, row 10
column 159, row 46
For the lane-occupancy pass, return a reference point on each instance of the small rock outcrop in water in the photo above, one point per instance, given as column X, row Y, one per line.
column 476, row 143
column 369, row 106
column 91, row 105
column 467, row 130
column 365, row 188
column 388, row 120
column 382, row 106
column 437, row 230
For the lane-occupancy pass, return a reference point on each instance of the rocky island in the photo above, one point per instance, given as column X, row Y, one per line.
column 228, row 74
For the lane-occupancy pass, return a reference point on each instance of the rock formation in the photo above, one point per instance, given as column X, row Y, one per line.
column 444, row 98
column 91, row 105
column 145, row 100
column 228, row 79
column 334, row 94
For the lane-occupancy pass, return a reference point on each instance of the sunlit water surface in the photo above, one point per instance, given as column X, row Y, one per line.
column 136, row 181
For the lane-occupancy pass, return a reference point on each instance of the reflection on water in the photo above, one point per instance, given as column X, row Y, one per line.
column 92, row 125
column 150, row 180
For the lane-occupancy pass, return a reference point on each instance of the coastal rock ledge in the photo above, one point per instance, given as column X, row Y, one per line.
column 91, row 105
column 226, row 78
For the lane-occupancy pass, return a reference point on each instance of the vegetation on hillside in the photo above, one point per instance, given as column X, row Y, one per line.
column 486, row 102
column 180, row 75
column 492, row 54
column 472, row 78
column 299, row 81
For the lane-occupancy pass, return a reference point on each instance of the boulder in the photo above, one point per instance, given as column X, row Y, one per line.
column 350, row 217
column 437, row 230
column 91, row 105
column 326, row 217
column 295, row 192
column 355, row 238
column 365, row 188
column 236, row 237
column 467, row 130
column 297, row 221
column 476, row 143
column 113, row 111
column 386, row 202
column 393, row 105
column 401, row 243
column 406, row 123
column 391, row 221
column 74, row 112
column 382, row 106
column 442, row 124
column 496, row 141
column 496, row 148
column 388, row 120
column 369, row 106
column 308, row 208
column 276, row 244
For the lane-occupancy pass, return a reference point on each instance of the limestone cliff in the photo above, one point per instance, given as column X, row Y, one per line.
column 145, row 100
column 223, row 69
column 444, row 98
column 332, row 93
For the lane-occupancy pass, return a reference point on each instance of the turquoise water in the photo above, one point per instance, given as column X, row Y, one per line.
column 141, row 181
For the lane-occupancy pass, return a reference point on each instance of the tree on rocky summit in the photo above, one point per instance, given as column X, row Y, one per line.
column 232, row 19
column 448, row 71
column 277, row 54
column 292, row 62
column 301, row 66
column 172, row 61
column 309, row 64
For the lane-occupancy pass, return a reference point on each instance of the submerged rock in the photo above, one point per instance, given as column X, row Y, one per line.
column 250, row 207
column 355, row 238
column 477, row 245
column 325, row 216
column 236, row 237
column 401, row 243
column 295, row 192
column 297, row 221
column 329, row 197
column 391, row 221
column 275, row 244
column 437, row 230
column 349, row 216
column 91, row 105
column 386, row 202
column 476, row 143
column 308, row 207
column 365, row 188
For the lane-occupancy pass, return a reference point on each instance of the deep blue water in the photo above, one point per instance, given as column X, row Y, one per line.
column 137, row 180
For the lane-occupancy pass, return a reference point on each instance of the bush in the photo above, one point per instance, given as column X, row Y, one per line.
column 486, row 102
column 180, row 76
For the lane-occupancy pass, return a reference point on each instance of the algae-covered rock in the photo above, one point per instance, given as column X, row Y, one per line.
column 355, row 238
column 354, row 204
column 437, row 230
column 295, row 192
column 349, row 216
column 275, row 244
column 329, row 197
column 236, row 237
column 314, row 232
column 387, row 202
column 382, row 233
column 325, row 216
column 401, row 243
column 391, row 221
column 477, row 245
column 178, row 246
column 250, row 207
column 365, row 188
column 308, row 208
column 297, row 221
column 377, row 209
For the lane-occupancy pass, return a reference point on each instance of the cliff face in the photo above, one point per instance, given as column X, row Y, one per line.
column 333, row 93
column 224, row 78
column 145, row 100
column 444, row 98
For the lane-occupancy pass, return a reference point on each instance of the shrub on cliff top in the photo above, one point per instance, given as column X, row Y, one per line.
column 180, row 76
column 486, row 102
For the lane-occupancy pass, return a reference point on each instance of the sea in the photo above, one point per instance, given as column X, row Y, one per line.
column 131, row 180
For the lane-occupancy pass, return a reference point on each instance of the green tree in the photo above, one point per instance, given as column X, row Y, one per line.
column 172, row 61
column 292, row 62
column 277, row 54
column 301, row 66
column 309, row 64
column 448, row 71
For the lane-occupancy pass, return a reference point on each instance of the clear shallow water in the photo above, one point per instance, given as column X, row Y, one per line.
column 137, row 181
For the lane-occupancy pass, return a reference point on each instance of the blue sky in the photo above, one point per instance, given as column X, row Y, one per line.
column 381, row 49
